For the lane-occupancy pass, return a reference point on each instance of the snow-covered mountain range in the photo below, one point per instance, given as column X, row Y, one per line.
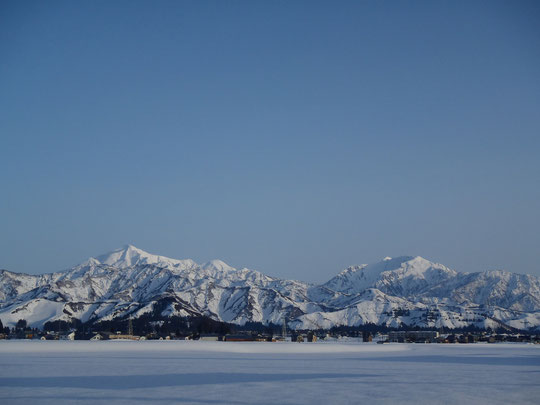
column 393, row 292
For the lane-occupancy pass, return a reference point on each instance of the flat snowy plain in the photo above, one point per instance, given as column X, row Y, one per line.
column 84, row 372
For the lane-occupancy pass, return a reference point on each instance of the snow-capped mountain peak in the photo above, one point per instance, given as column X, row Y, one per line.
column 355, row 279
column 218, row 265
column 89, row 262
column 130, row 255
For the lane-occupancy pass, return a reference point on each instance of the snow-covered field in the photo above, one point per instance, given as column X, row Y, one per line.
column 149, row 372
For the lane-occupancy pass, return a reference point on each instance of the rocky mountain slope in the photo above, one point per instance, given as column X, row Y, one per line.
column 403, row 290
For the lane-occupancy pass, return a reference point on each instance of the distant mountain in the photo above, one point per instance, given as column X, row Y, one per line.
column 130, row 256
column 400, row 291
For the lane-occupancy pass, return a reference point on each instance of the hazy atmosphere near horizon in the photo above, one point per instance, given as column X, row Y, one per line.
column 294, row 138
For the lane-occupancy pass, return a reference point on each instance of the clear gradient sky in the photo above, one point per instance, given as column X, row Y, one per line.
column 295, row 138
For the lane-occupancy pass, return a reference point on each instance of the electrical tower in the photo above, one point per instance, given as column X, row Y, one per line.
column 130, row 327
column 284, row 328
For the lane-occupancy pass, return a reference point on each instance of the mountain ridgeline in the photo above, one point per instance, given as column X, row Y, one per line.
column 402, row 291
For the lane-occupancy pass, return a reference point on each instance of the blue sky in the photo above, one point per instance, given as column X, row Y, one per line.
column 295, row 138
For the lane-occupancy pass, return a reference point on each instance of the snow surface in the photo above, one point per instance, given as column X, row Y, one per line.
column 83, row 372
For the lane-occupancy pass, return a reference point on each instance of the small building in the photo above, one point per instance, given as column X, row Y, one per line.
column 123, row 337
column 239, row 338
column 48, row 337
column 98, row 336
column 210, row 338
column 282, row 339
column 403, row 336
column 330, row 338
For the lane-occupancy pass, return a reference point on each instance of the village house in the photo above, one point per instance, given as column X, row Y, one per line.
column 403, row 336
column 210, row 338
column 123, row 337
column 99, row 336
column 239, row 338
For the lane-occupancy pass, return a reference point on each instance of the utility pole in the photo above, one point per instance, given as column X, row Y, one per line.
column 130, row 327
column 284, row 328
